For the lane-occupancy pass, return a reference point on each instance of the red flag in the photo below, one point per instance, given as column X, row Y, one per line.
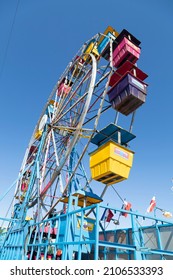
column 152, row 205
column 127, row 206
column 109, row 215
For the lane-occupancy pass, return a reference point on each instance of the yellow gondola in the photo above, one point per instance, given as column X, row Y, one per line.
column 111, row 163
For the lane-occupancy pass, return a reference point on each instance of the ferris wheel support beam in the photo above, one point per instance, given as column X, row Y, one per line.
column 55, row 149
column 25, row 203
column 57, row 160
column 38, row 191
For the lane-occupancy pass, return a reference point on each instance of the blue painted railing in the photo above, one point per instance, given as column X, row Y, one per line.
column 76, row 235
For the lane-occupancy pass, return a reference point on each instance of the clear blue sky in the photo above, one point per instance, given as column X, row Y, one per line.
column 35, row 50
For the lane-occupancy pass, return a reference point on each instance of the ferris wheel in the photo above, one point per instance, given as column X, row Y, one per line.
column 77, row 150
column 53, row 166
